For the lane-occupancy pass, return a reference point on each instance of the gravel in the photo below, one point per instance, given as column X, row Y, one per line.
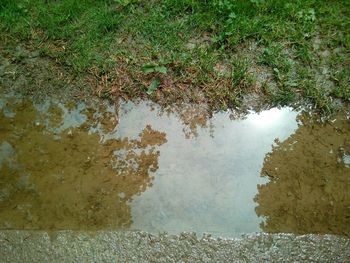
column 135, row 246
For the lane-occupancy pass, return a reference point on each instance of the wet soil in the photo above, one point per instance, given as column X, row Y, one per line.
column 29, row 73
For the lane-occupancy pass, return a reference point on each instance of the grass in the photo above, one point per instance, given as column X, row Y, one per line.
column 214, row 51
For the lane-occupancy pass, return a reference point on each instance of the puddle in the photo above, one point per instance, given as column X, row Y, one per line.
column 206, row 183
column 309, row 188
column 67, row 166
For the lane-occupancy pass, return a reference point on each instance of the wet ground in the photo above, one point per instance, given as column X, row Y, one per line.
column 80, row 166
column 136, row 246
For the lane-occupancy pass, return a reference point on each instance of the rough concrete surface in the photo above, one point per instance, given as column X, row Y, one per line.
column 130, row 246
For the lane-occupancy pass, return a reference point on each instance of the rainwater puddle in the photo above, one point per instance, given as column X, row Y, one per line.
column 70, row 166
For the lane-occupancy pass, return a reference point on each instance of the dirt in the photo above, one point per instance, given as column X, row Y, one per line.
column 31, row 74
column 309, row 183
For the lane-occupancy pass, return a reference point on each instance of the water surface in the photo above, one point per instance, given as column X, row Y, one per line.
column 81, row 166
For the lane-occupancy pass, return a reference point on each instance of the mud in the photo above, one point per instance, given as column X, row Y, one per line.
column 32, row 74
column 309, row 177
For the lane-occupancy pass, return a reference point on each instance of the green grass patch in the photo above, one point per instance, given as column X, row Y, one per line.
column 190, row 38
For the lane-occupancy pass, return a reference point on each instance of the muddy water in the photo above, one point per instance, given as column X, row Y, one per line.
column 57, row 174
column 309, row 188
column 70, row 166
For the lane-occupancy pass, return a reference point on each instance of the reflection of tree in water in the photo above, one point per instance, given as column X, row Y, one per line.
column 193, row 117
column 71, row 182
column 309, row 188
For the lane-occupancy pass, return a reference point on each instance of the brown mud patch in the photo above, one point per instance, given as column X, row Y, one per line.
column 309, row 183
